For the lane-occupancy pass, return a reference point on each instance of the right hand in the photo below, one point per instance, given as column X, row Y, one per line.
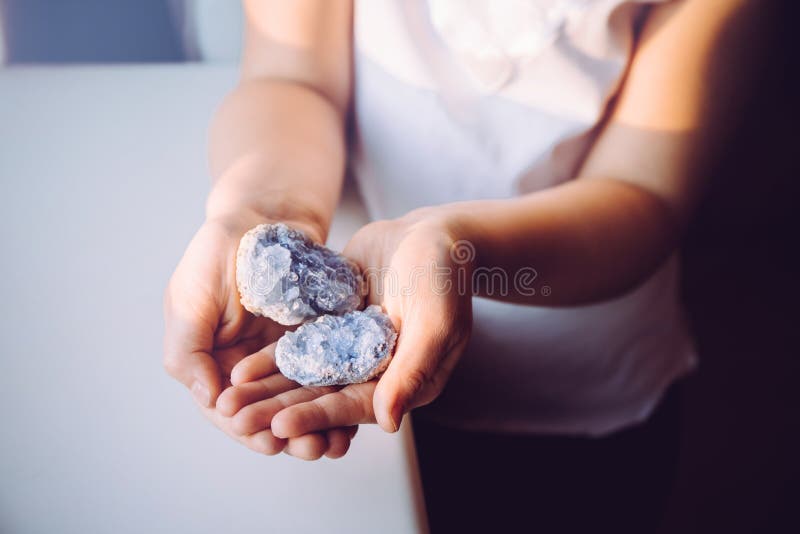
column 207, row 331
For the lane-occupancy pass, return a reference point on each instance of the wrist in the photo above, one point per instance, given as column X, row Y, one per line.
column 239, row 213
column 453, row 224
column 238, row 223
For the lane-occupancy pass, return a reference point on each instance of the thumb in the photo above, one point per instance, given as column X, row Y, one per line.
column 199, row 372
column 194, row 367
column 413, row 377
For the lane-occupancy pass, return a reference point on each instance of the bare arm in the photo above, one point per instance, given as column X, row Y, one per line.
column 277, row 145
column 600, row 235
column 277, row 154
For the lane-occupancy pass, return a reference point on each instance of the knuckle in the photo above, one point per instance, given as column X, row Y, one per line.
column 171, row 366
column 422, row 388
column 415, row 382
column 315, row 416
column 268, row 445
column 359, row 398
column 227, row 405
column 243, row 370
column 236, row 398
column 242, row 423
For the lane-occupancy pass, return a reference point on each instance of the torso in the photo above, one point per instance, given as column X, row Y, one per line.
column 455, row 101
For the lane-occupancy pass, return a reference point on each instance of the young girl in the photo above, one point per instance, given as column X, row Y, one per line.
column 551, row 151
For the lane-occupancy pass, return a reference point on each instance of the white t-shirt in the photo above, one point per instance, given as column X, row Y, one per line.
column 477, row 99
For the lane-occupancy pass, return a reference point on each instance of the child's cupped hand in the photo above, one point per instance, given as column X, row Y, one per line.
column 416, row 268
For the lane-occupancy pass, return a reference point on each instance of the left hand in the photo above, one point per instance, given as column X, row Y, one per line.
column 415, row 273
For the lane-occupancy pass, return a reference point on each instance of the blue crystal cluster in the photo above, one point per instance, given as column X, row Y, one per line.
column 283, row 275
column 337, row 350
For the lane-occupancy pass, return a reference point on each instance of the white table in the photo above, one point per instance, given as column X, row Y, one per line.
column 102, row 182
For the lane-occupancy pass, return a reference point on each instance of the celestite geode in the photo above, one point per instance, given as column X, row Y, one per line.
column 283, row 275
column 338, row 350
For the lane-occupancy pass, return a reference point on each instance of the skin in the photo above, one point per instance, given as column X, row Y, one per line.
column 280, row 134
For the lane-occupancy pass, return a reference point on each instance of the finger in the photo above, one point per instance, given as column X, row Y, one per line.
column 421, row 364
column 199, row 372
column 187, row 358
column 308, row 447
column 235, row 398
column 228, row 357
column 264, row 442
column 258, row 416
column 255, row 366
column 242, row 325
column 349, row 406
column 338, row 442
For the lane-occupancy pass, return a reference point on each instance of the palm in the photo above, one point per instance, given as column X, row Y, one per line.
column 422, row 289
column 252, row 335
column 411, row 274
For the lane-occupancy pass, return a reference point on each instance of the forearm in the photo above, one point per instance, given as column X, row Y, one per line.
column 596, row 237
column 277, row 150
column 588, row 240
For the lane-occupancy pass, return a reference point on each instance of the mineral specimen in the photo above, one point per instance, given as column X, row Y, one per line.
column 338, row 350
column 283, row 275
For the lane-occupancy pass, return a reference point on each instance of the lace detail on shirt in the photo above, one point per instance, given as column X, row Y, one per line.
column 488, row 37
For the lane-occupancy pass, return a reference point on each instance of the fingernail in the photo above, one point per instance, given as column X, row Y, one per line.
column 201, row 394
column 276, row 426
column 386, row 417
column 397, row 417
